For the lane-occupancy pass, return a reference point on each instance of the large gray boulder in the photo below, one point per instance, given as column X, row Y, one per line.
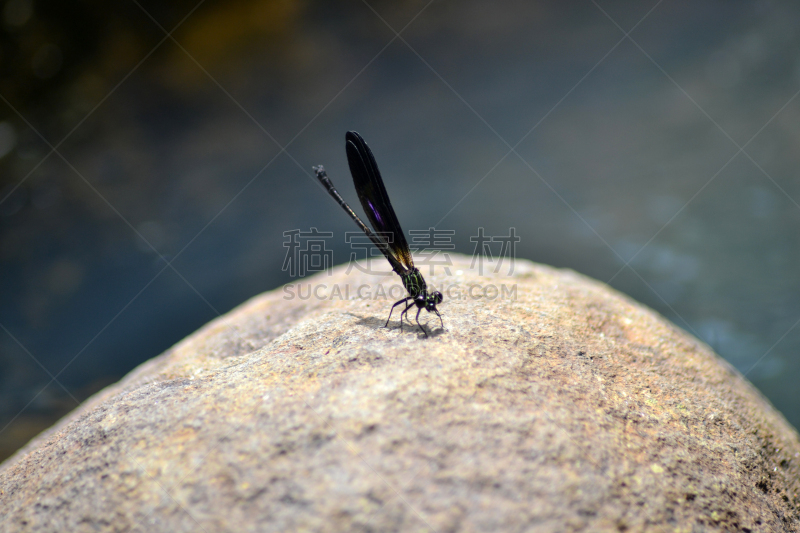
column 559, row 405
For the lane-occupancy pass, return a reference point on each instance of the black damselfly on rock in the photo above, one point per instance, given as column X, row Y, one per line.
column 388, row 235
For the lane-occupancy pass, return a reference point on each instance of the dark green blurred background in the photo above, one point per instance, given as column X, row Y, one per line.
column 626, row 149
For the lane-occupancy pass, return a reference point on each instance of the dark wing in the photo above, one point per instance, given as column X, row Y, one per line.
column 374, row 200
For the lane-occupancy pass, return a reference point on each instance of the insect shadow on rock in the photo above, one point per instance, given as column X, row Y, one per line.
column 388, row 235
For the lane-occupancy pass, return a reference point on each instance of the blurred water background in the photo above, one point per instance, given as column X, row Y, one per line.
column 654, row 148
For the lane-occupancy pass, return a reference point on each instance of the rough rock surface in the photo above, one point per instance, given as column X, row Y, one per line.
column 566, row 408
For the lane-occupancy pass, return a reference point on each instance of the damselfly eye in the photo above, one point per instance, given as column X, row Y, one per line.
column 438, row 297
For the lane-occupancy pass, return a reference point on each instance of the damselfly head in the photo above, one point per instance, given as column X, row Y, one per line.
column 432, row 300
